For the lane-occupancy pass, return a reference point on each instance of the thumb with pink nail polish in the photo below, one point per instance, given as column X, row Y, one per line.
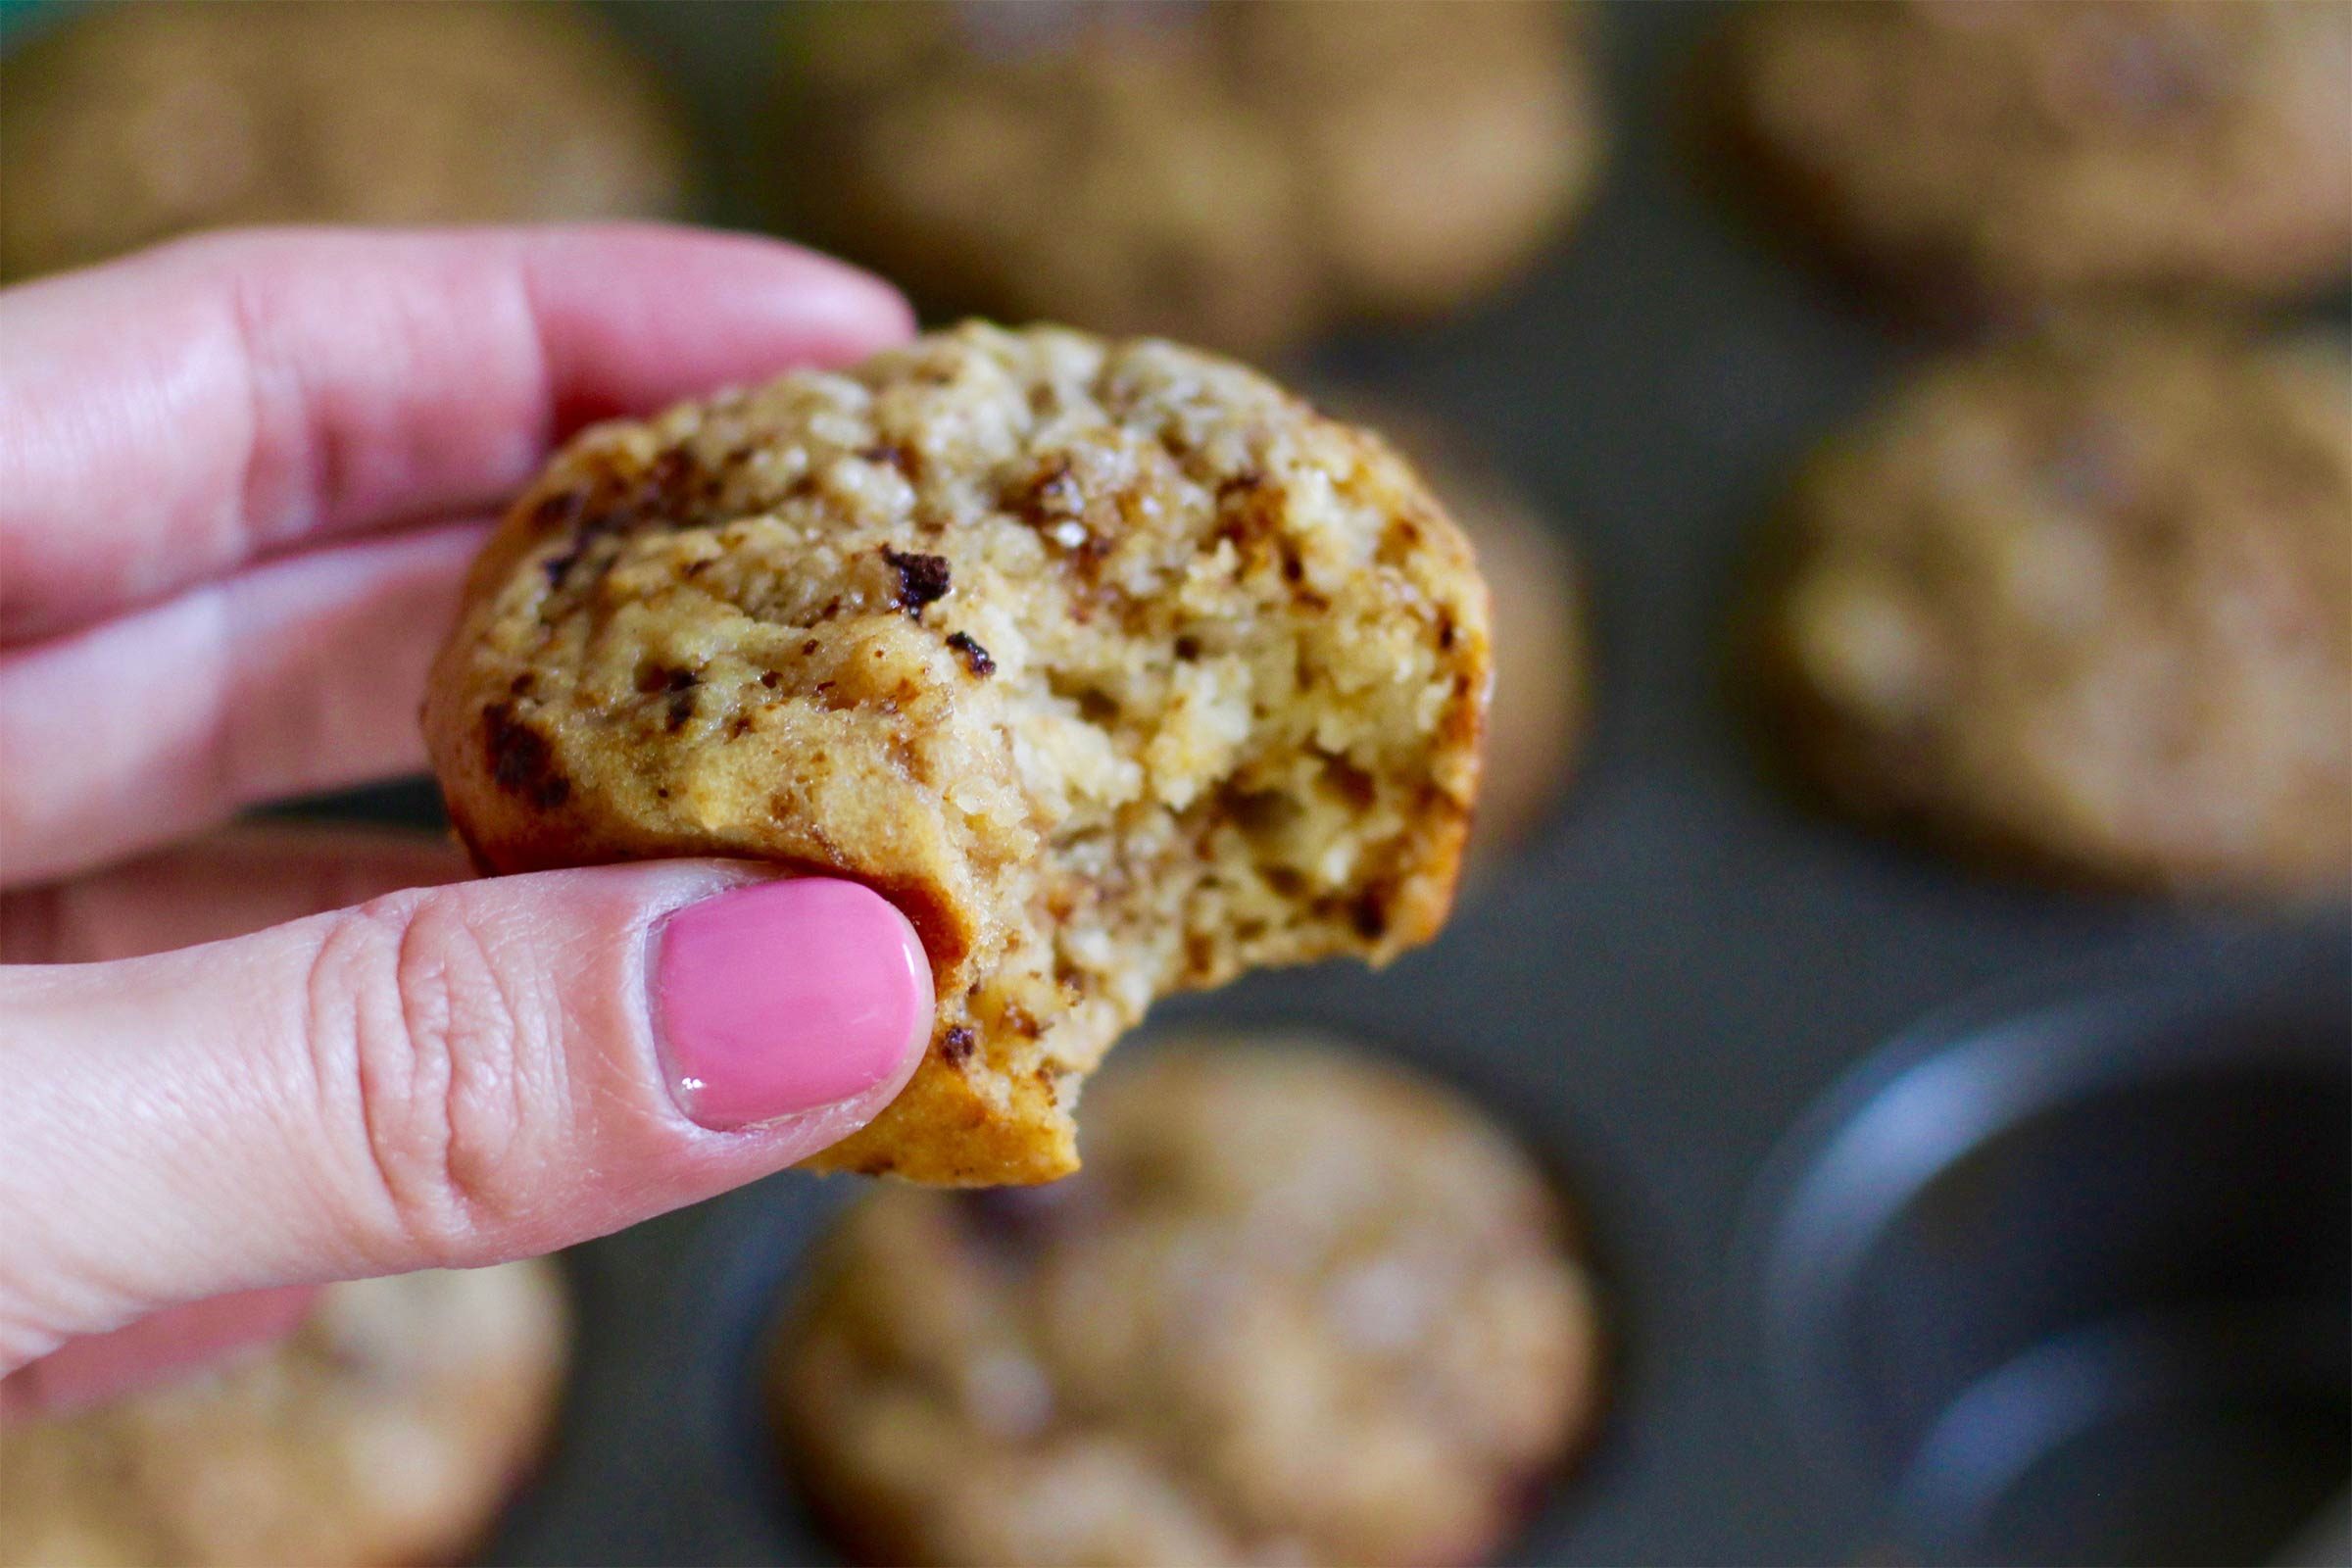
column 439, row 1078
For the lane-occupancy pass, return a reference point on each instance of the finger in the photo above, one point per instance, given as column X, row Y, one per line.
column 433, row 1079
column 91, row 1371
column 169, row 415
column 236, row 881
column 227, row 884
column 301, row 674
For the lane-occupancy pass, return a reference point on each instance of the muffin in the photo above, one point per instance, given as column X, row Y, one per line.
column 2006, row 158
column 2086, row 605
column 1300, row 1306
column 1119, row 669
column 1240, row 176
column 129, row 123
column 388, row 1430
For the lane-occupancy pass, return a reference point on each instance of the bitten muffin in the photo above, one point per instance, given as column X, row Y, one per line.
column 1299, row 1308
column 129, row 123
column 2087, row 604
column 2003, row 156
column 1240, row 176
column 1119, row 669
column 389, row 1429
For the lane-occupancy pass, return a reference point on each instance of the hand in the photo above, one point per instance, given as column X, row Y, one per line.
column 240, row 480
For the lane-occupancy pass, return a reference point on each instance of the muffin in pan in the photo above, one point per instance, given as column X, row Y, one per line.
column 130, row 124
column 2086, row 604
column 1118, row 669
column 387, row 1430
column 2002, row 158
column 1239, row 176
column 1300, row 1306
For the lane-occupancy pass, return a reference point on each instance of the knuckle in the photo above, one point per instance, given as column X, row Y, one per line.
column 432, row 1051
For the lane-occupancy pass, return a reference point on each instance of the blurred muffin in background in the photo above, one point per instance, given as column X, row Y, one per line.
column 1541, row 635
column 388, row 1430
column 129, row 123
column 1300, row 1306
column 2086, row 604
column 2001, row 156
column 1236, row 175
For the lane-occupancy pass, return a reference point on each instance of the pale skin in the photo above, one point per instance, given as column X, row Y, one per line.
column 240, row 480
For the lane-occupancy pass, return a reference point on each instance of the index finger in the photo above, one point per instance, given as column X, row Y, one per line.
column 168, row 417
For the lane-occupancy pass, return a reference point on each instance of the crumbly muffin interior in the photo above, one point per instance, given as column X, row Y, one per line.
column 1541, row 708
column 1118, row 669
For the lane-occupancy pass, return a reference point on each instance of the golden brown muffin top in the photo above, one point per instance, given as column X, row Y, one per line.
column 2091, row 602
column 130, row 124
column 2067, row 148
column 1302, row 1307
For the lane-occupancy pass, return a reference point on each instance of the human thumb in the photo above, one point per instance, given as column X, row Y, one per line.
column 444, row 1077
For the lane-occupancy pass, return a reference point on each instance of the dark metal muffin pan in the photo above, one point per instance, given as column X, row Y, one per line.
column 2059, row 1275
column 2066, row 1275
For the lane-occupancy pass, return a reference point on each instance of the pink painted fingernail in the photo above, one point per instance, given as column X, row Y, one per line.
column 784, row 997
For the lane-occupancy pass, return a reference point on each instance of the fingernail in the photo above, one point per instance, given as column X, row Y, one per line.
column 784, row 997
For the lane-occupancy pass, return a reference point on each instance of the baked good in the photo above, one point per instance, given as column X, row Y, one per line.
column 1239, row 176
column 1116, row 667
column 1543, row 643
column 1542, row 681
column 2088, row 602
column 128, row 123
column 1301, row 1307
column 389, row 1428
column 2001, row 156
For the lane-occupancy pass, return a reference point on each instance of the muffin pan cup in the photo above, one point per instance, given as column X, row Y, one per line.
column 2068, row 1278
